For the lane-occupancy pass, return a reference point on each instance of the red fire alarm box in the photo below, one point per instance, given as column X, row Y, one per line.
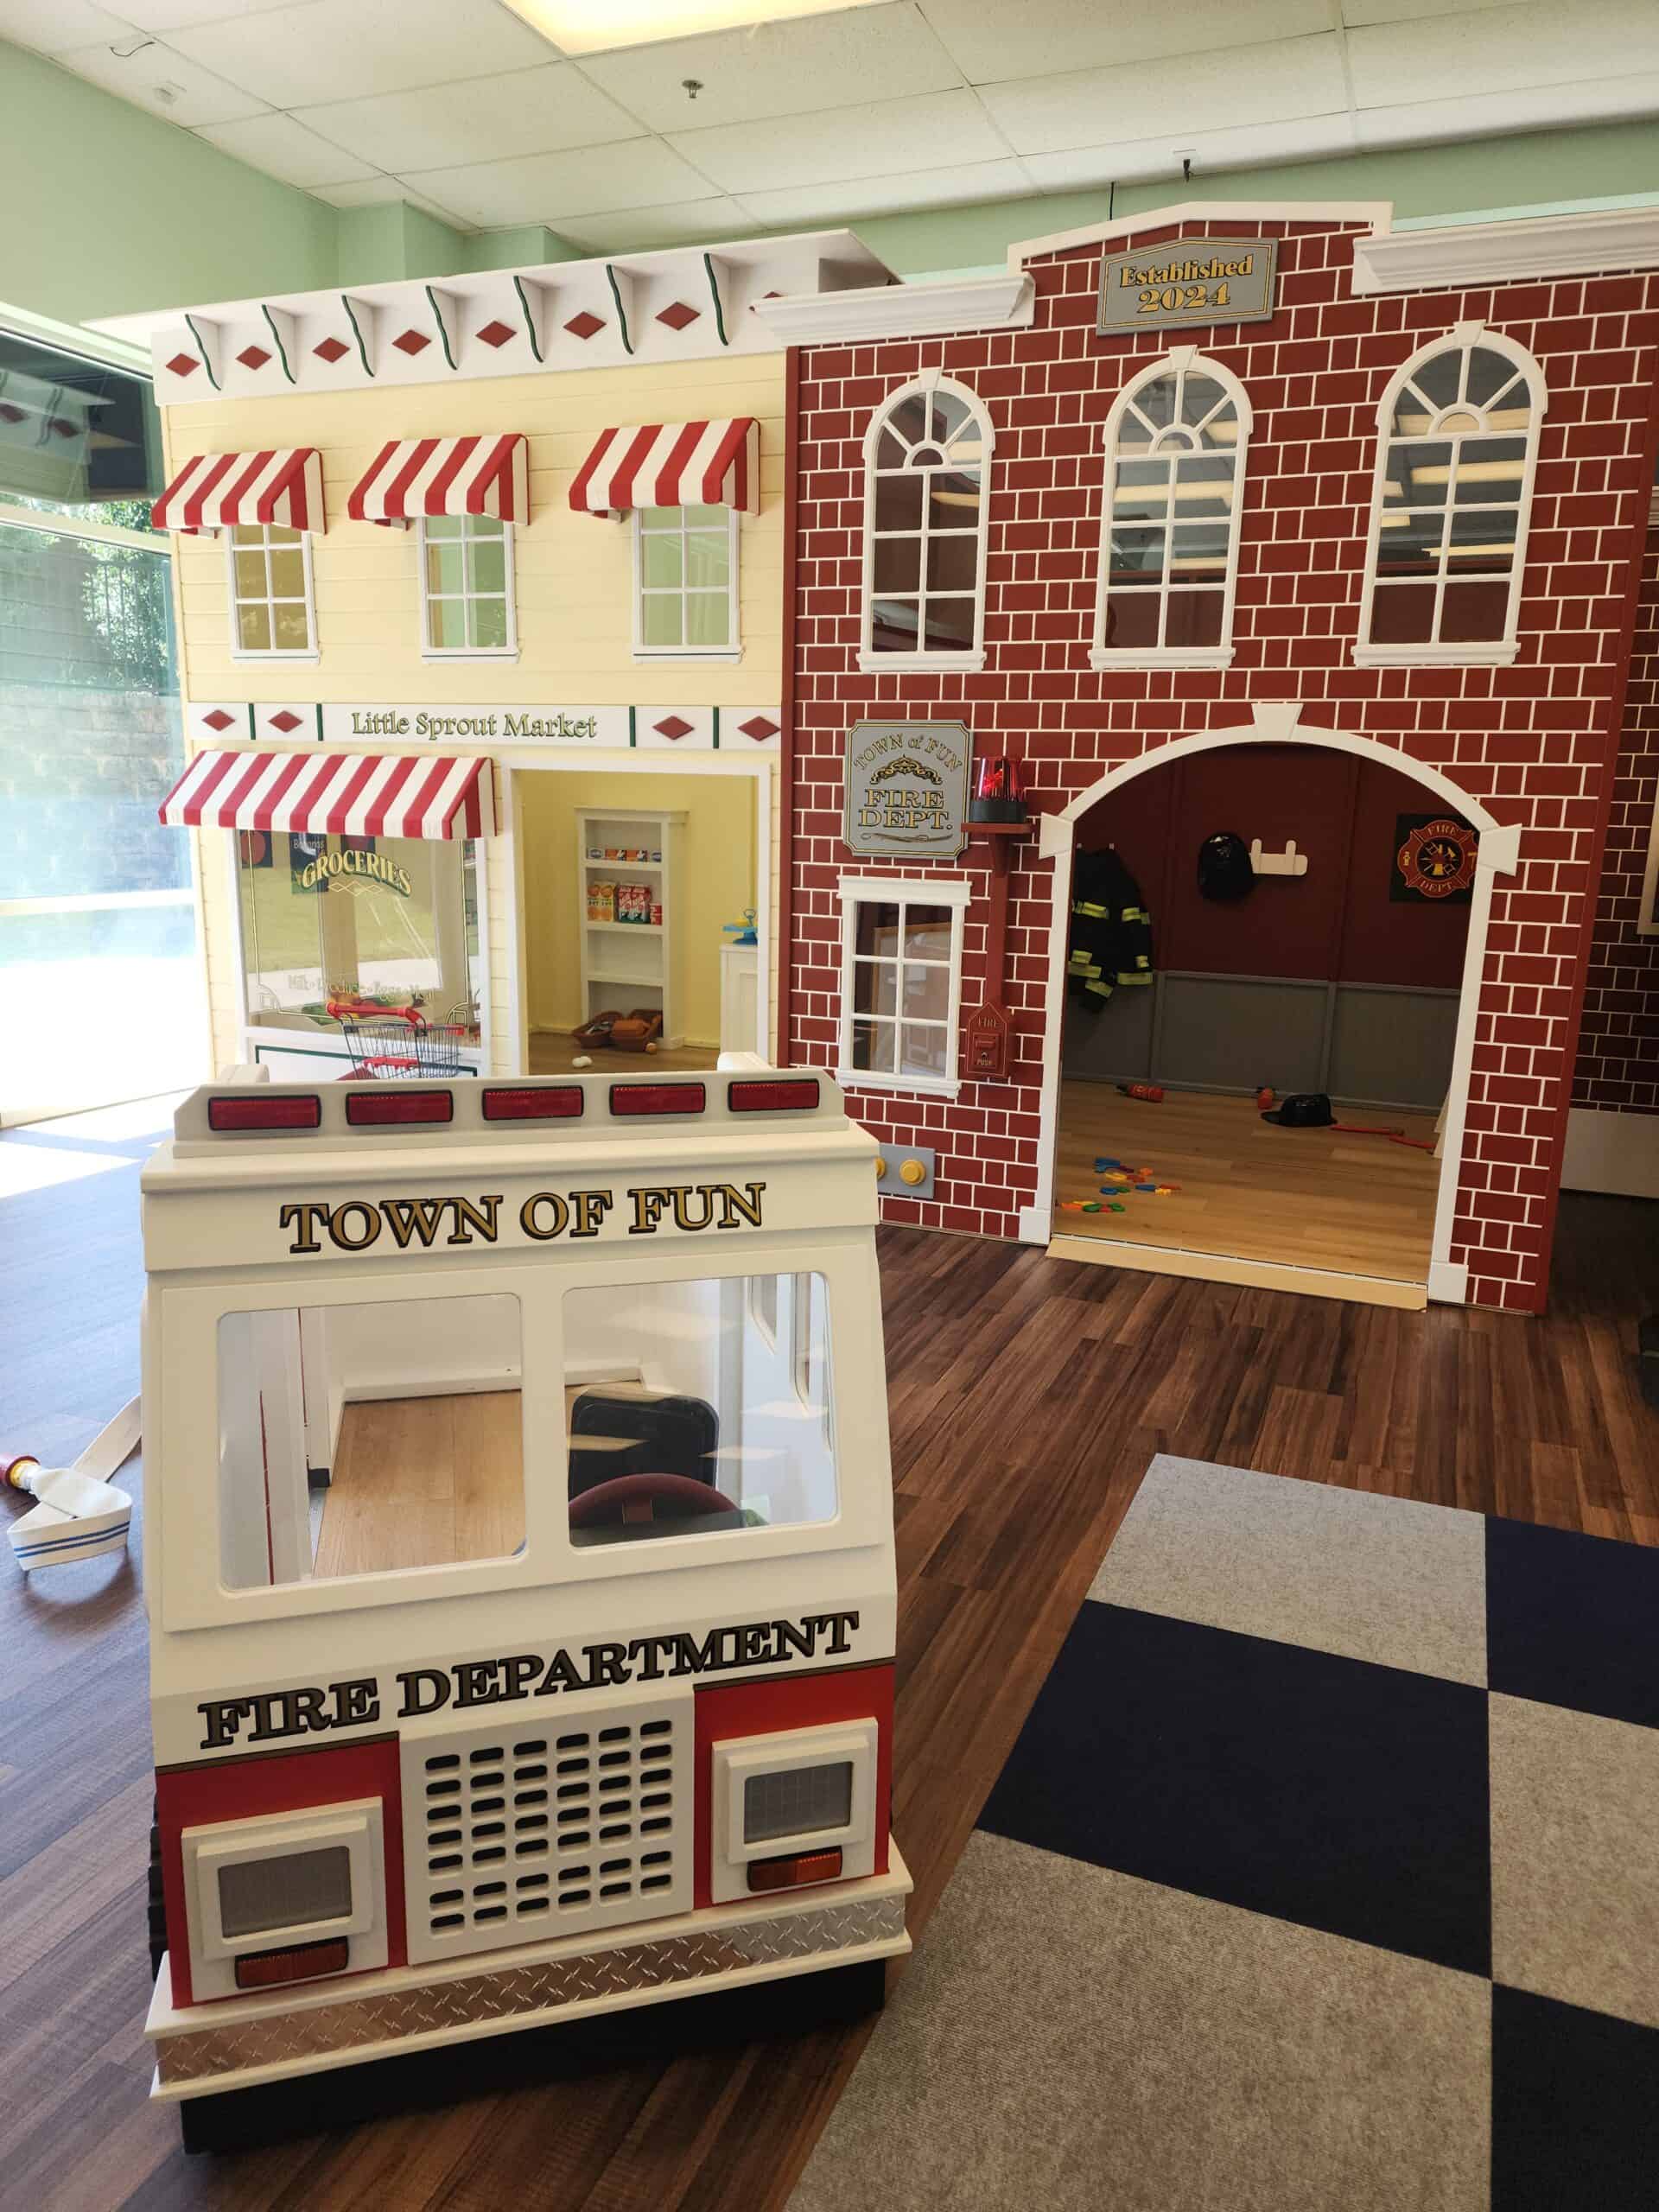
column 987, row 1033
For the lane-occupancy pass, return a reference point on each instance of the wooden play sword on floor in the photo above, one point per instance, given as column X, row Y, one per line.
column 79, row 1512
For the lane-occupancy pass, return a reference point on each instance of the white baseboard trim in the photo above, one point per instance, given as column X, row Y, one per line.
column 1036, row 1224
column 1615, row 1154
column 1448, row 1282
column 1256, row 1274
column 427, row 1384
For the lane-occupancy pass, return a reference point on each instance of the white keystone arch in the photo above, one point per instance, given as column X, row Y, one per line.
column 1278, row 724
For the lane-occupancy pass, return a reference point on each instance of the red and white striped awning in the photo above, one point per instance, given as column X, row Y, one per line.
column 672, row 465
column 352, row 794
column 218, row 489
column 445, row 476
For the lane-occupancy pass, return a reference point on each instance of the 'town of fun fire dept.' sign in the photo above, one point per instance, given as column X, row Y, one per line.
column 906, row 787
column 1190, row 281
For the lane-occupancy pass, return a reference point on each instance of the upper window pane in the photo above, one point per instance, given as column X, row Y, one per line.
column 693, row 1417
column 924, row 519
column 685, row 579
column 417, row 1477
column 77, row 438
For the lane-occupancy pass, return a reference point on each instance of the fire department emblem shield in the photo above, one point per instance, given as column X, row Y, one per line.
column 1434, row 858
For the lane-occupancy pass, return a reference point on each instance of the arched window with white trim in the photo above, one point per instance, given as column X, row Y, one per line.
column 1174, row 478
column 1455, row 452
column 927, row 460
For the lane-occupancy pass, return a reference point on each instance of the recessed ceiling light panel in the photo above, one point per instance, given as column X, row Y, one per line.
column 597, row 26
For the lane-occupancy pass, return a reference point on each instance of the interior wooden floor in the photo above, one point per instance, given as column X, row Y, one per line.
column 1028, row 1397
column 554, row 1054
column 422, row 1482
column 1302, row 1198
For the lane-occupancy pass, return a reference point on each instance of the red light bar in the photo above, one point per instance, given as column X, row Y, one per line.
column 772, row 1098
column 394, row 1104
column 257, row 1110
column 299, row 1962
column 657, row 1098
column 560, row 1103
column 790, row 1873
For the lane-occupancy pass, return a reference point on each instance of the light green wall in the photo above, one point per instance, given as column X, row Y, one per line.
column 111, row 210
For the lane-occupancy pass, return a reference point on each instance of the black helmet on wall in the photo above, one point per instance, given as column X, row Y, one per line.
column 1224, row 869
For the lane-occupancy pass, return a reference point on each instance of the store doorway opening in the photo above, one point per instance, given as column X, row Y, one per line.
column 635, row 893
column 1338, row 966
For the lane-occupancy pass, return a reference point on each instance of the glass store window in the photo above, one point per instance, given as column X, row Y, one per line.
column 101, row 996
column 359, row 927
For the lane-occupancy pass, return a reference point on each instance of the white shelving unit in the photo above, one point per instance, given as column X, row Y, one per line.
column 630, row 965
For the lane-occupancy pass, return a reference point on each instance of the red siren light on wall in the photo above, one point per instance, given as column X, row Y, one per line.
column 999, row 790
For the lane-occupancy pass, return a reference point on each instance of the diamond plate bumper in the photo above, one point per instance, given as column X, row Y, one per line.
column 237, row 2042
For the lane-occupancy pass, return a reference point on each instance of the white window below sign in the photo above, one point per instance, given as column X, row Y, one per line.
column 900, row 983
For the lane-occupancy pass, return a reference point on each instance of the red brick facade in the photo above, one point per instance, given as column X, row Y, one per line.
column 1532, row 742
column 1618, row 1044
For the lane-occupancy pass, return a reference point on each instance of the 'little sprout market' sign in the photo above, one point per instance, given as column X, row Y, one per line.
column 907, row 788
column 1189, row 281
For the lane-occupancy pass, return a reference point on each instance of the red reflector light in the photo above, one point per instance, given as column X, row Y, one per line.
column 562, row 1103
column 299, row 1962
column 262, row 1110
column 772, row 1098
column 394, row 1104
column 657, row 1098
column 790, row 1873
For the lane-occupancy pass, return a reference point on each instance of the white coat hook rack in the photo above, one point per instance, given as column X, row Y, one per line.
column 1289, row 862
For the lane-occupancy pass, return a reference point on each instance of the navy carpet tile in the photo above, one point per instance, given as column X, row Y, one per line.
column 1573, row 1620
column 1322, row 1791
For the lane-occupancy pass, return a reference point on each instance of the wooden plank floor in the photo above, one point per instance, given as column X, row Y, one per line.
column 1303, row 1197
column 421, row 1482
column 1028, row 1397
column 553, row 1053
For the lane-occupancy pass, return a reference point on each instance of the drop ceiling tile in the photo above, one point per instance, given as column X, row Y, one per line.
column 1502, row 49
column 780, row 68
column 1355, row 12
column 686, row 222
column 544, row 187
column 990, row 44
column 175, row 14
column 155, row 71
column 57, row 26
column 285, row 150
column 381, row 192
column 1209, row 92
column 1143, row 161
column 1484, row 115
column 878, row 138
column 350, row 49
column 497, row 118
column 806, row 205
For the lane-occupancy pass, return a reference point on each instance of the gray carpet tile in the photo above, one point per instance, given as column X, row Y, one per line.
column 1575, row 1857
column 1075, row 2038
column 1366, row 1577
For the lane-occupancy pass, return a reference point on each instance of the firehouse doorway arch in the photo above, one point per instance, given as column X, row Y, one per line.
column 1277, row 724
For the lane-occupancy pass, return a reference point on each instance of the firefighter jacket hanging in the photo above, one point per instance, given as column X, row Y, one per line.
column 1111, row 942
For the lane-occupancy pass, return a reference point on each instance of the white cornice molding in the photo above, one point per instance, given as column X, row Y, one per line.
column 1508, row 253
column 1379, row 213
column 998, row 303
column 681, row 304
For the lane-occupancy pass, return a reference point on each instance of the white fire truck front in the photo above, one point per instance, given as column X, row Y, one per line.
column 520, row 1560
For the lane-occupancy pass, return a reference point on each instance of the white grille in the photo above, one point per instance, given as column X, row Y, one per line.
column 574, row 1819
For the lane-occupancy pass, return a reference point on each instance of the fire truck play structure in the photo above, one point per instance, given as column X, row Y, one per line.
column 520, row 1564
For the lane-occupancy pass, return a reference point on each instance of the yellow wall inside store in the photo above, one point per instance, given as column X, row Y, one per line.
column 716, row 882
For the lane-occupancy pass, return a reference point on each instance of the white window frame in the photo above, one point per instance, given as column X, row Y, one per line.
column 733, row 651
column 946, row 658
column 901, row 890
column 430, row 651
column 1182, row 361
column 1464, row 337
column 239, row 650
